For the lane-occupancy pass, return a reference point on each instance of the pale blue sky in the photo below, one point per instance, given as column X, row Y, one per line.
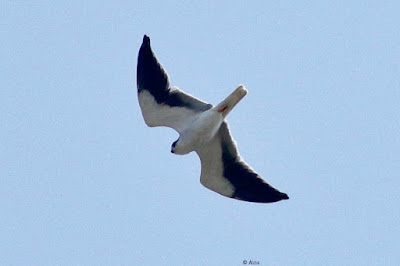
column 85, row 182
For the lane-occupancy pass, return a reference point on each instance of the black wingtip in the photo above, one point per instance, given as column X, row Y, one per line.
column 146, row 40
column 150, row 74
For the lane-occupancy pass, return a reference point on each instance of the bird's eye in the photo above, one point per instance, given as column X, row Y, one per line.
column 174, row 144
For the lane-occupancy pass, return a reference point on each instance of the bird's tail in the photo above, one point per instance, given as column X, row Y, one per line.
column 227, row 105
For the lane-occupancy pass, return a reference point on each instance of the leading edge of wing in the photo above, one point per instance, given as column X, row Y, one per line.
column 224, row 171
column 152, row 77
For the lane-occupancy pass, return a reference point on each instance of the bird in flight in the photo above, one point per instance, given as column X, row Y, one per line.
column 202, row 128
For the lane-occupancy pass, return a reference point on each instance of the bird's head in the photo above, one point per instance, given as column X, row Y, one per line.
column 178, row 148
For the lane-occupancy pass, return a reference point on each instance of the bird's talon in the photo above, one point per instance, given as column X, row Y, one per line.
column 222, row 109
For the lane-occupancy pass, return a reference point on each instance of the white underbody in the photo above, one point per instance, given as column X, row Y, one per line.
column 197, row 132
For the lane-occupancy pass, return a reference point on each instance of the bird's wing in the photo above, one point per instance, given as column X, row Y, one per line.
column 224, row 171
column 160, row 104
